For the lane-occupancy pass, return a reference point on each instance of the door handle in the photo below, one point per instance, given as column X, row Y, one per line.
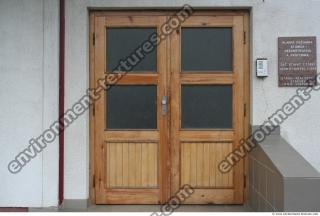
column 164, row 105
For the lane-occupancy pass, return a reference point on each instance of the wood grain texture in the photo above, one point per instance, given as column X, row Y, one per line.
column 196, row 153
column 132, row 196
column 131, row 136
column 238, row 105
column 146, row 166
column 132, row 165
column 247, row 128
column 213, row 196
column 212, row 77
column 99, row 68
column 199, row 165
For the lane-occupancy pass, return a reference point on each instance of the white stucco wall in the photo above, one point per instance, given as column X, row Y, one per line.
column 29, row 85
column 29, row 99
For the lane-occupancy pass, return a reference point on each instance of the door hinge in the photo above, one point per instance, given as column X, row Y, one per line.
column 244, row 37
column 94, row 39
column 94, row 181
column 244, row 109
column 244, row 181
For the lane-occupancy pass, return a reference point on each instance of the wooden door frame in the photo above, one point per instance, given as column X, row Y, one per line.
column 247, row 81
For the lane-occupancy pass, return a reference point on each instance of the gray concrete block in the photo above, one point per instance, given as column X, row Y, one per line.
column 253, row 199
column 256, row 170
column 263, row 181
column 261, row 203
column 251, row 171
column 75, row 204
column 278, row 193
column 283, row 179
column 286, row 159
column 302, row 194
column 270, row 187
column 269, row 207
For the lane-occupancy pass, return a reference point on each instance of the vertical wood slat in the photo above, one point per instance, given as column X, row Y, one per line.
column 132, row 161
column 185, row 163
column 206, row 164
column 125, row 169
column 144, row 157
column 138, row 164
column 193, row 165
column 108, row 167
column 112, row 162
column 151, row 165
column 230, row 177
column 218, row 152
column 199, row 164
column 132, row 165
column 212, row 166
column 119, row 156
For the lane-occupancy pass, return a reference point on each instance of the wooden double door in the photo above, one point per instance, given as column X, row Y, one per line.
column 173, row 111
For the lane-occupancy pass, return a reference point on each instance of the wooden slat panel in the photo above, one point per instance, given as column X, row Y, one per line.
column 125, row 162
column 151, row 165
column 212, row 165
column 185, row 163
column 206, row 164
column 138, row 164
column 230, row 177
column 112, row 161
column 108, row 155
column 118, row 167
column 193, row 165
column 199, row 162
column 199, row 165
column 144, row 157
column 132, row 165
column 218, row 151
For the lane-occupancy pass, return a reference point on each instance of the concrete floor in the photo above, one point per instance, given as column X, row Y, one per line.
column 150, row 208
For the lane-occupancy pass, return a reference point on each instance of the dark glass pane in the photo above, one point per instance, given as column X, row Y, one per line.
column 206, row 106
column 123, row 43
column 206, row 49
column 132, row 107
